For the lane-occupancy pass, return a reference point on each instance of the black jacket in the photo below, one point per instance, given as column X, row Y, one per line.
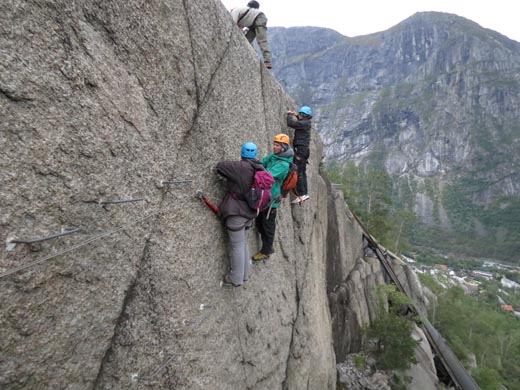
column 302, row 130
column 240, row 176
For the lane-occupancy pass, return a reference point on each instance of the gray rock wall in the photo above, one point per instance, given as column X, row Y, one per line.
column 423, row 373
column 102, row 101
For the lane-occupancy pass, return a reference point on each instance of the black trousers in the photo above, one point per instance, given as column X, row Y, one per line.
column 267, row 228
column 301, row 156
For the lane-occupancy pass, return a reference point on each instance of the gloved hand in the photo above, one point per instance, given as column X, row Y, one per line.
column 217, row 174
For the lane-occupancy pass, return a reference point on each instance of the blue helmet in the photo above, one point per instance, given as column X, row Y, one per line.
column 249, row 150
column 305, row 110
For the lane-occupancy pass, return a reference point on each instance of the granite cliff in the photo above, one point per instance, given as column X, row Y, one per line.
column 434, row 102
column 100, row 103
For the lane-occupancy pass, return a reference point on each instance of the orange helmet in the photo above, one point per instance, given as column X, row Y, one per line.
column 283, row 138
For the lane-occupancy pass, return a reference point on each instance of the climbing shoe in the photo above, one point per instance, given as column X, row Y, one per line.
column 226, row 282
column 300, row 199
column 260, row 256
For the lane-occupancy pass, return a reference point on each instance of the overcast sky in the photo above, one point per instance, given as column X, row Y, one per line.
column 360, row 17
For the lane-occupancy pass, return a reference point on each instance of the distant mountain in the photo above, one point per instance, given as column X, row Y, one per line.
column 435, row 100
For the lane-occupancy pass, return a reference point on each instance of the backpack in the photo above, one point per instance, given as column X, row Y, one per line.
column 259, row 195
column 289, row 184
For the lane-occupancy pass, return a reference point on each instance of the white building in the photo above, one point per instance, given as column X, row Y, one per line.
column 407, row 259
column 483, row 274
column 509, row 283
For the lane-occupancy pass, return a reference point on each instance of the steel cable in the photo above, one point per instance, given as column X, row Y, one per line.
column 77, row 246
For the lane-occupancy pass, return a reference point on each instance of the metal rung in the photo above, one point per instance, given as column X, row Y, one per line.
column 65, row 232
column 103, row 202
column 174, row 182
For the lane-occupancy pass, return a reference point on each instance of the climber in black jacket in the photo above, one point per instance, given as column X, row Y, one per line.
column 301, row 123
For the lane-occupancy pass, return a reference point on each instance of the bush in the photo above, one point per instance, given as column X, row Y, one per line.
column 359, row 361
column 400, row 382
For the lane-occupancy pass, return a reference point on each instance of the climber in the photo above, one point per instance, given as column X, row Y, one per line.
column 238, row 216
column 277, row 163
column 301, row 123
column 255, row 22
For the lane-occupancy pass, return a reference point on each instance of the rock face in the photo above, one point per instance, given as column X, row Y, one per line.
column 434, row 101
column 422, row 373
column 365, row 376
column 352, row 377
column 101, row 101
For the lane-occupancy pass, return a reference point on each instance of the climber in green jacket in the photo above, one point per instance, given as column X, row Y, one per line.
column 277, row 163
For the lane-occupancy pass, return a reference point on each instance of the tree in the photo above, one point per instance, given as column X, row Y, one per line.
column 402, row 225
column 478, row 327
column 487, row 378
column 367, row 191
column 392, row 331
